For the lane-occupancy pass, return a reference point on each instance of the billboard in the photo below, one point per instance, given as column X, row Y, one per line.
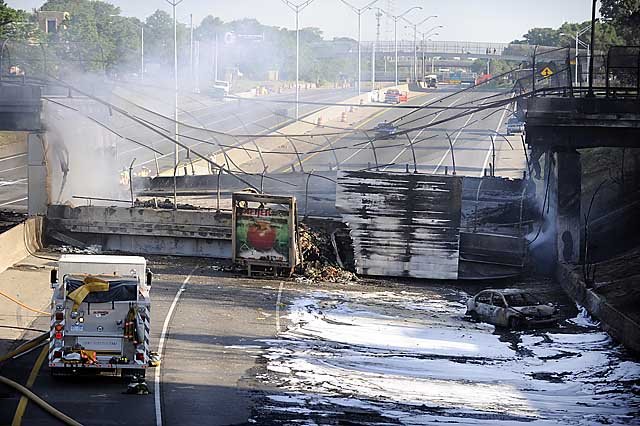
column 264, row 230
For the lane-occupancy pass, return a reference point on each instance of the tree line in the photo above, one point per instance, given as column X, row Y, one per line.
column 113, row 41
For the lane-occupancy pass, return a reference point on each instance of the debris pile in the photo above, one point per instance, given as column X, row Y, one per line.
column 10, row 219
column 162, row 204
column 65, row 249
column 316, row 271
column 320, row 260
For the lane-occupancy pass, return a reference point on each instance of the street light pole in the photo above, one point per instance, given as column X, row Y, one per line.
column 142, row 52
column 415, row 42
column 415, row 53
column 191, row 45
column 395, row 32
column 297, row 8
column 359, row 12
column 592, row 44
column 175, row 3
column 578, row 43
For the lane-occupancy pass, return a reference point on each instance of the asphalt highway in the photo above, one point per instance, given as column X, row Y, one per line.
column 239, row 351
column 231, row 116
column 470, row 138
column 215, row 322
column 13, row 182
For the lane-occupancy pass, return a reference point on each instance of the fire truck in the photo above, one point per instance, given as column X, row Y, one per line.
column 100, row 315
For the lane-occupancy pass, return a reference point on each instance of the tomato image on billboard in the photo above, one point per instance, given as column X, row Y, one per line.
column 262, row 234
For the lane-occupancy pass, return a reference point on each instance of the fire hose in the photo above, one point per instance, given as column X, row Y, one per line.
column 19, row 303
column 25, row 347
column 25, row 391
column 91, row 285
column 39, row 402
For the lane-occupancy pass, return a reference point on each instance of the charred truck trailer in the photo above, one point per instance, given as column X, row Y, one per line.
column 100, row 315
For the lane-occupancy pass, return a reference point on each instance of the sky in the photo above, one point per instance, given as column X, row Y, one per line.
column 463, row 20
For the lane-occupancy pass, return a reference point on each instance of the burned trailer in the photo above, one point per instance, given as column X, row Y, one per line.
column 434, row 226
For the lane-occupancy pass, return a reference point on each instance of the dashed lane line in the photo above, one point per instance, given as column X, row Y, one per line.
column 14, row 201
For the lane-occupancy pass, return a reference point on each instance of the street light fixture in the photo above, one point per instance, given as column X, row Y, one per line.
column 424, row 52
column 585, row 45
column 578, row 44
column 175, row 3
column 359, row 12
column 428, row 32
column 415, row 41
column 395, row 31
column 297, row 8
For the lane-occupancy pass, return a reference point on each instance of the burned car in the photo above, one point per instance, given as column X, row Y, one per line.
column 512, row 308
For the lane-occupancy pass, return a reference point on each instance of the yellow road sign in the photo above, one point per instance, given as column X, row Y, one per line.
column 546, row 72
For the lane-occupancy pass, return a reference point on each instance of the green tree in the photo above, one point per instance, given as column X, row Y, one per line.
column 496, row 67
column 606, row 34
column 208, row 28
column 624, row 15
column 159, row 39
column 96, row 37
column 8, row 15
column 14, row 23
column 540, row 36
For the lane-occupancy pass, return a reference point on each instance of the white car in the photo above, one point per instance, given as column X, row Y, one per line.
column 512, row 308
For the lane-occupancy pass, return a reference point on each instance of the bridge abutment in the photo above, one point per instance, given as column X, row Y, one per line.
column 37, row 181
column 566, row 180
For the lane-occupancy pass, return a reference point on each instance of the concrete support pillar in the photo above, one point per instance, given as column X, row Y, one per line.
column 567, row 177
column 37, row 176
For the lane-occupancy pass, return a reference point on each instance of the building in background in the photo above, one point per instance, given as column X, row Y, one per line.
column 50, row 21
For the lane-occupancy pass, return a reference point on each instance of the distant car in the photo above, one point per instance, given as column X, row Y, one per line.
column 512, row 308
column 514, row 126
column 394, row 96
column 385, row 130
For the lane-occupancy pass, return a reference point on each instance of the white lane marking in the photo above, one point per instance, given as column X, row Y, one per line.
column 13, row 182
column 278, row 307
column 180, row 149
column 165, row 326
column 453, row 142
column 269, row 114
column 13, row 156
column 403, row 150
column 368, row 146
column 13, row 168
column 14, row 201
column 486, row 159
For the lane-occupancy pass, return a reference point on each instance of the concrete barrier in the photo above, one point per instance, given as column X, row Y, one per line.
column 145, row 231
column 620, row 326
column 18, row 242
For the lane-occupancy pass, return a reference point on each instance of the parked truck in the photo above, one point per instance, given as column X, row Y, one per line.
column 100, row 315
column 395, row 96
